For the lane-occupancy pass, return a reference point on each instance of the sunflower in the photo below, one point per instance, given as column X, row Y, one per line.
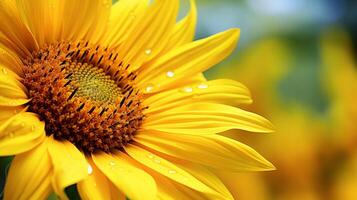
column 111, row 98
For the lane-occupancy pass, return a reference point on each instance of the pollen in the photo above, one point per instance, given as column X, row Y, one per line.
column 85, row 95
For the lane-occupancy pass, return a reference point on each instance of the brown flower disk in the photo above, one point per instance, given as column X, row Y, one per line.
column 84, row 94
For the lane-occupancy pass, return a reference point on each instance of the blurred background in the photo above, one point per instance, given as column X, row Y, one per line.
column 298, row 58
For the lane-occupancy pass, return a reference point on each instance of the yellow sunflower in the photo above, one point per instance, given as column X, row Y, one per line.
column 112, row 98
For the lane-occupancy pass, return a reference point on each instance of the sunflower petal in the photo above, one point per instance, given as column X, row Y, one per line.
column 217, row 91
column 6, row 112
column 95, row 186
column 10, row 61
column 206, row 118
column 122, row 18
column 184, row 31
column 125, row 176
column 150, row 33
column 21, row 133
column 167, row 191
column 207, row 177
column 29, row 175
column 51, row 21
column 13, row 33
column 188, row 60
column 168, row 169
column 12, row 92
column 205, row 151
column 70, row 165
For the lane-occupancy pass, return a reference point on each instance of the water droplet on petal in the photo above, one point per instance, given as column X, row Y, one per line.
column 90, row 170
column 188, row 89
column 157, row 161
column 172, row 172
column 170, row 74
column 33, row 127
column 148, row 52
column 111, row 163
column 202, row 86
column 150, row 156
column 149, row 88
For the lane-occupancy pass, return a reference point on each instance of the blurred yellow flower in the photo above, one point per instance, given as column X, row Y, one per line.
column 112, row 97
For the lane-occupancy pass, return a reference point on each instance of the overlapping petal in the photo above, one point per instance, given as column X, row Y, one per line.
column 216, row 91
column 56, row 20
column 13, row 33
column 95, row 186
column 21, row 133
column 29, row 176
column 123, row 16
column 149, row 34
column 12, row 92
column 69, row 165
column 187, row 61
column 168, row 169
column 126, row 176
column 10, row 61
column 184, row 31
column 206, row 151
column 206, row 118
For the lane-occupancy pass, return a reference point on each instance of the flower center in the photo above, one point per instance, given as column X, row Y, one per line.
column 84, row 95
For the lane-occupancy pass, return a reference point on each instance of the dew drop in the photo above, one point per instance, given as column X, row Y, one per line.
column 111, row 163
column 90, row 170
column 150, row 156
column 202, row 86
column 33, row 127
column 172, row 171
column 170, row 74
column 157, row 161
column 148, row 52
column 149, row 88
column 188, row 89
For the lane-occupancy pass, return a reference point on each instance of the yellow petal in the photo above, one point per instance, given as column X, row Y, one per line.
column 188, row 60
column 206, row 118
column 134, row 182
column 95, row 186
column 205, row 151
column 14, row 34
column 168, row 169
column 6, row 112
column 21, row 133
column 217, row 91
column 70, row 165
column 240, row 149
column 184, row 31
column 167, row 192
column 56, row 20
column 12, row 92
column 10, row 61
column 30, row 175
column 207, row 177
column 167, row 188
column 123, row 15
column 149, row 34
